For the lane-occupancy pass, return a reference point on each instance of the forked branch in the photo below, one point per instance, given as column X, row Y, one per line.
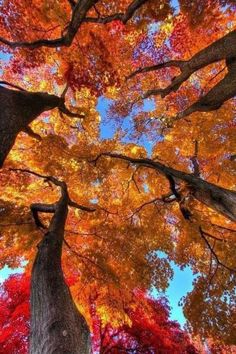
column 222, row 49
column 50, row 208
column 79, row 12
column 202, row 233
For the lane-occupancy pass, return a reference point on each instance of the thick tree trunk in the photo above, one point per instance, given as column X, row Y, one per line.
column 217, row 198
column 56, row 325
column 18, row 110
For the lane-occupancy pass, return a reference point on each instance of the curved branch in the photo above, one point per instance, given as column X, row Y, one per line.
column 12, row 85
column 220, row 199
column 62, row 108
column 80, row 10
column 202, row 233
column 78, row 15
column 44, row 208
column 178, row 63
column 49, row 208
column 222, row 49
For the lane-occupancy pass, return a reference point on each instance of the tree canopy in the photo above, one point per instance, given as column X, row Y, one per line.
column 162, row 180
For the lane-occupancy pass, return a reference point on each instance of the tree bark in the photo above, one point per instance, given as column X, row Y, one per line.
column 19, row 109
column 220, row 199
column 57, row 327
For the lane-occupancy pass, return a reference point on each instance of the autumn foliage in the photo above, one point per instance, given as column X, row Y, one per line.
column 149, row 329
column 14, row 315
column 131, row 104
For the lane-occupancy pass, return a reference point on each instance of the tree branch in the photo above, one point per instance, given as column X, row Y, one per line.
column 31, row 133
column 222, row 49
column 79, row 11
column 12, row 85
column 220, row 199
column 177, row 63
column 78, row 15
column 44, row 208
column 213, row 252
column 48, row 208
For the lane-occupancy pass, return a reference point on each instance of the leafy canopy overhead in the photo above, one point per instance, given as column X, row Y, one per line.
column 103, row 48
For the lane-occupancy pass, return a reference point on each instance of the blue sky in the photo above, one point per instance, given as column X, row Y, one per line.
column 179, row 286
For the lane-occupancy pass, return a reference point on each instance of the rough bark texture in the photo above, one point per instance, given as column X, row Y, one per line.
column 217, row 198
column 56, row 325
column 222, row 49
column 18, row 110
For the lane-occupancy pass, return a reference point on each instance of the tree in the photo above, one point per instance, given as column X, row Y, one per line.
column 180, row 200
column 56, row 324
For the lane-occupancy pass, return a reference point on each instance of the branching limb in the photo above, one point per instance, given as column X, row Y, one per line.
column 181, row 201
column 31, row 133
column 150, row 202
column 213, row 252
column 214, row 99
column 81, row 207
column 12, row 85
column 43, row 208
column 176, row 63
column 51, row 207
column 222, row 49
column 62, row 108
column 220, row 199
column 79, row 12
column 124, row 17
column 78, row 15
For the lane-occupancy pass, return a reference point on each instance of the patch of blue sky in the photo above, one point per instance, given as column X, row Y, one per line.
column 5, row 56
column 96, row 183
column 94, row 200
column 175, row 6
column 5, row 272
column 180, row 285
column 108, row 128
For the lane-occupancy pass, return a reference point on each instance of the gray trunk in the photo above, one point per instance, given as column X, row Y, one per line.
column 18, row 110
column 56, row 325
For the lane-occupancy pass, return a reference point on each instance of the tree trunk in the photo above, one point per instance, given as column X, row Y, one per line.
column 217, row 198
column 56, row 325
column 18, row 110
